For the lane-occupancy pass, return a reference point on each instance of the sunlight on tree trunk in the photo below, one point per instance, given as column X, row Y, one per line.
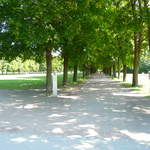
column 137, row 51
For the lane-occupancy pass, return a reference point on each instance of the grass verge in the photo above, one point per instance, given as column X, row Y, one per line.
column 35, row 82
column 129, row 85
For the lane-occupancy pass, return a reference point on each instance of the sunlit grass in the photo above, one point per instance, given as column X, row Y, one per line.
column 35, row 82
column 129, row 85
column 148, row 96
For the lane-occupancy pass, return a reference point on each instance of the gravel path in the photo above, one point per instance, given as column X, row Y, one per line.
column 98, row 115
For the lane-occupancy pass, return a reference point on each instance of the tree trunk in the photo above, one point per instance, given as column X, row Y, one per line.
column 65, row 72
column 114, row 71
column 149, row 36
column 75, row 73
column 124, row 72
column 110, row 71
column 118, row 68
column 148, row 21
column 48, row 72
column 137, row 51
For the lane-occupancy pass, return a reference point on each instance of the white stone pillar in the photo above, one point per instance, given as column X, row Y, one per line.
column 149, row 79
column 54, row 84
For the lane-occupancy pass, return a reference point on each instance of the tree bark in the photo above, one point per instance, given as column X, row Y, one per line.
column 148, row 21
column 110, row 71
column 137, row 39
column 65, row 72
column 114, row 71
column 118, row 65
column 48, row 72
column 75, row 73
column 137, row 51
column 124, row 72
column 149, row 36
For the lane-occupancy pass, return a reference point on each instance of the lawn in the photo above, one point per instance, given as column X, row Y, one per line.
column 33, row 82
column 144, row 83
column 129, row 85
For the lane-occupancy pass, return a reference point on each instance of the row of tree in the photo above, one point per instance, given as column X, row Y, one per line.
column 88, row 34
column 28, row 66
column 19, row 66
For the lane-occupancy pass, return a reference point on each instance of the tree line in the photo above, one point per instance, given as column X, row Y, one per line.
column 19, row 66
column 89, row 34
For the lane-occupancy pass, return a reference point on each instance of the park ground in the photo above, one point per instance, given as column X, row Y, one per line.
column 99, row 114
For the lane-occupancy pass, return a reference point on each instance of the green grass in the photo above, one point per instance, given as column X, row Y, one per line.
column 35, row 82
column 129, row 85
column 148, row 96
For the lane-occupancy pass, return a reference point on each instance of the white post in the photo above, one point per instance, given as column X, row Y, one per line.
column 149, row 79
column 54, row 84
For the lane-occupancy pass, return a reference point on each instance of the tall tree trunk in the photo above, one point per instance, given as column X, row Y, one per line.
column 137, row 51
column 75, row 73
column 124, row 72
column 83, row 71
column 118, row 65
column 149, row 36
column 137, row 38
column 148, row 21
column 48, row 72
column 110, row 71
column 114, row 71
column 65, row 72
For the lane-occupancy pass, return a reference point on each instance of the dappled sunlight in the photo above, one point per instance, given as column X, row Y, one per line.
column 87, row 126
column 57, row 131
column 115, row 110
column 11, row 129
column 145, row 110
column 4, row 122
column 55, row 115
column 128, row 94
column 69, row 97
column 74, row 137
column 66, row 105
column 84, row 146
column 141, row 137
column 122, row 118
column 34, row 137
column 29, row 139
column 72, row 121
column 112, row 138
column 35, row 96
column 93, row 89
column 91, row 133
column 59, row 123
column 85, row 114
column 95, row 116
column 18, row 100
column 27, row 106
column 19, row 140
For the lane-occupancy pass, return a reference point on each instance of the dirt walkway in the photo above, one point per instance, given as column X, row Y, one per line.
column 98, row 115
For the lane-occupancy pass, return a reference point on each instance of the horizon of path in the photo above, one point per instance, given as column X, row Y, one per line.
column 99, row 114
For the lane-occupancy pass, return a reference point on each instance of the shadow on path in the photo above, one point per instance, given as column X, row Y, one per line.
column 97, row 115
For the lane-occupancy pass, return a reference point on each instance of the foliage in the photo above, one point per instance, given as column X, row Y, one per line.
column 145, row 65
column 93, row 34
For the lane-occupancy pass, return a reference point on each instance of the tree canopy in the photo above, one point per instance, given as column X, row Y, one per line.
column 89, row 34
